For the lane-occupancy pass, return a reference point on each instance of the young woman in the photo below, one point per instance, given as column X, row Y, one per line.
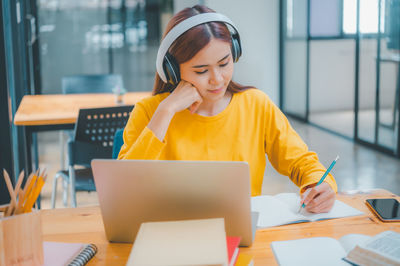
column 198, row 113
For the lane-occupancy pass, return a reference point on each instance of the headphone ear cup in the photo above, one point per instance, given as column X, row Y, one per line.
column 236, row 47
column 171, row 69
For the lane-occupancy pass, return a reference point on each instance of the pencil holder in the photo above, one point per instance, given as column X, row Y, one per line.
column 21, row 240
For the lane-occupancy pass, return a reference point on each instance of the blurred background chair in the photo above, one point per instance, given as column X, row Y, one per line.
column 93, row 138
column 100, row 83
column 103, row 83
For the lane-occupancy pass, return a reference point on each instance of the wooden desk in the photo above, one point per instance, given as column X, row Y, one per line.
column 59, row 112
column 85, row 225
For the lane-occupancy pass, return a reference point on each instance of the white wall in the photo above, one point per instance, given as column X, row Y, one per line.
column 258, row 25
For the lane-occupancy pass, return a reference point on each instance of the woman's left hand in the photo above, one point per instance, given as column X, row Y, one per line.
column 319, row 198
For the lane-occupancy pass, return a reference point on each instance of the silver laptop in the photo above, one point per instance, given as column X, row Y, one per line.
column 135, row 191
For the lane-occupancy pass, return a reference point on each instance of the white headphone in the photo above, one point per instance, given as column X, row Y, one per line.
column 167, row 68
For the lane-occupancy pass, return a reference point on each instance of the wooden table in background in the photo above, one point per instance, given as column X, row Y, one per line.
column 61, row 109
column 85, row 225
column 48, row 112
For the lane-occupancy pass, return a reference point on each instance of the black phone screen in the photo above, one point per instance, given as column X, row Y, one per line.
column 388, row 209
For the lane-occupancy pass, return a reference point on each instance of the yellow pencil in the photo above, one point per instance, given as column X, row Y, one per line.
column 29, row 194
column 29, row 187
column 34, row 195
column 22, row 194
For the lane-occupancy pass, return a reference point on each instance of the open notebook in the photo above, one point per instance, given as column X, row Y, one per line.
column 283, row 209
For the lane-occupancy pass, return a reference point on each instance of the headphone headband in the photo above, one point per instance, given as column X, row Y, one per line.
column 181, row 28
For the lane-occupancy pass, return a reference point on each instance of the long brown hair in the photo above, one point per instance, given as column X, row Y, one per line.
column 192, row 41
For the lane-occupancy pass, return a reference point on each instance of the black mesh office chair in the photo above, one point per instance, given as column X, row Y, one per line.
column 94, row 138
column 100, row 83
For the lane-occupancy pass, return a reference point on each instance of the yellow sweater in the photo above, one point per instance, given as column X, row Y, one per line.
column 250, row 127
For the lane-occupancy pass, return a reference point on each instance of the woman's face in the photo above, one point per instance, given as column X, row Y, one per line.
column 210, row 70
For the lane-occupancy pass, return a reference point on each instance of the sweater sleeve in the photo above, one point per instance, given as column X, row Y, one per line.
column 288, row 153
column 140, row 143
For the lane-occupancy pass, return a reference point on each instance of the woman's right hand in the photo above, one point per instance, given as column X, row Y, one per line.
column 184, row 96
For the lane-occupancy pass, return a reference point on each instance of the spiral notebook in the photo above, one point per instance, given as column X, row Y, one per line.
column 76, row 254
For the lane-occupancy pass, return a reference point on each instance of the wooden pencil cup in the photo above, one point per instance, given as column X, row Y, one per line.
column 21, row 240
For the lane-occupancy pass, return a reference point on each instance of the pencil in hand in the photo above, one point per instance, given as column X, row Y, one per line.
column 320, row 181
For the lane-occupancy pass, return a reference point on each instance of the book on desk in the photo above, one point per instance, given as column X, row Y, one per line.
column 188, row 242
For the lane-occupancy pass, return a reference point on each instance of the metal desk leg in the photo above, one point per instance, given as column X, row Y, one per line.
column 28, row 155
column 36, row 163
column 32, row 159
column 71, row 172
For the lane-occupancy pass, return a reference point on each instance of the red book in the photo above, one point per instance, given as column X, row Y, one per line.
column 232, row 242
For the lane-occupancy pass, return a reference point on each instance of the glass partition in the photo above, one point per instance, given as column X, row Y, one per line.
column 341, row 68
column 295, row 42
column 389, row 74
column 379, row 77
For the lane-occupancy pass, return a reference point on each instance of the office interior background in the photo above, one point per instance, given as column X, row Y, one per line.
column 333, row 66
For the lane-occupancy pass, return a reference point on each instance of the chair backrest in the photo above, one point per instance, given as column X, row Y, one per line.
column 96, row 128
column 82, row 153
column 118, row 141
column 103, row 83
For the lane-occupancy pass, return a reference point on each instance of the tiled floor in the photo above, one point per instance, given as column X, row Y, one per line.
column 358, row 167
column 343, row 123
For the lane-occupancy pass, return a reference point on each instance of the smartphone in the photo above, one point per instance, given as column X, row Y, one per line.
column 387, row 210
